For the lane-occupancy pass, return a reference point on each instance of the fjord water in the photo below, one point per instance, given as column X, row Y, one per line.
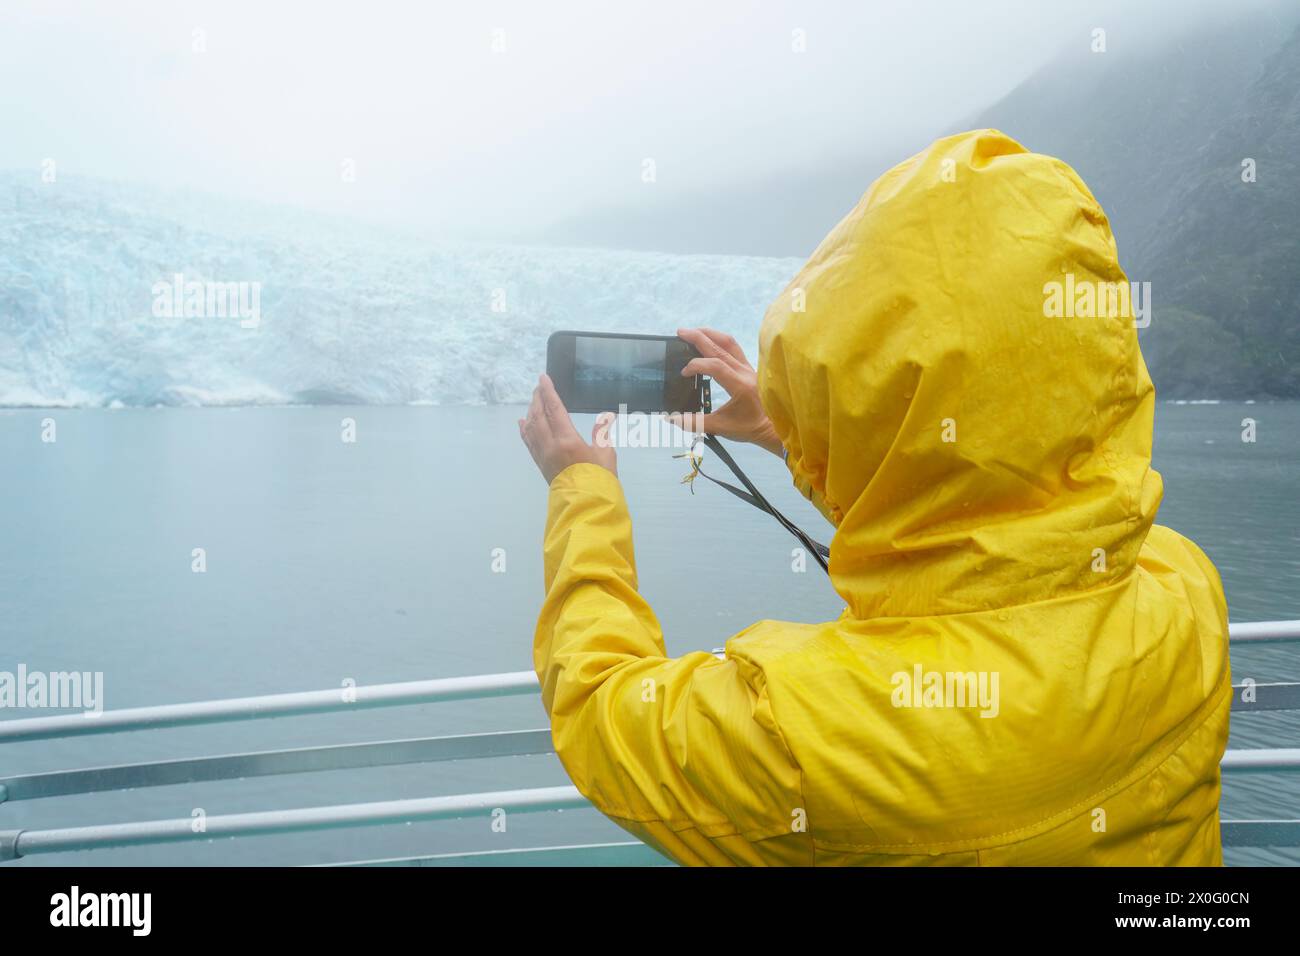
column 377, row 560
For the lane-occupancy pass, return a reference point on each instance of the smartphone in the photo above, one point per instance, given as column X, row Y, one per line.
column 613, row 371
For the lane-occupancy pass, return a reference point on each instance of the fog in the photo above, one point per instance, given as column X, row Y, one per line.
column 494, row 120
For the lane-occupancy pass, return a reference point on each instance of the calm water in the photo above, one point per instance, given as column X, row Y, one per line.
column 373, row 561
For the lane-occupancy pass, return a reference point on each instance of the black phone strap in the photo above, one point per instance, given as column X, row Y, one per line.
column 821, row 554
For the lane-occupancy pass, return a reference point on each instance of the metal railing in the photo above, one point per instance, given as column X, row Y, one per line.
column 271, row 705
column 20, row 843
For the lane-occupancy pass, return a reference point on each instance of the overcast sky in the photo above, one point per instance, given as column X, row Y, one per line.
column 267, row 100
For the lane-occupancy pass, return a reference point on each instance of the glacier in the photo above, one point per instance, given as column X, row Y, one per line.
column 350, row 312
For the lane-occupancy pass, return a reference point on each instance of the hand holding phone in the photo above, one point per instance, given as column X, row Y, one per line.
column 555, row 444
column 741, row 417
column 603, row 371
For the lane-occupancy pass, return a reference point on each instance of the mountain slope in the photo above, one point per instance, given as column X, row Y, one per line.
column 1159, row 136
column 1230, row 249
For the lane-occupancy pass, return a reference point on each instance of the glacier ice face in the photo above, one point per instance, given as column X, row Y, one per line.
column 349, row 312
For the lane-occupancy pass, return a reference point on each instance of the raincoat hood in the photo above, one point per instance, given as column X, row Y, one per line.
column 974, row 446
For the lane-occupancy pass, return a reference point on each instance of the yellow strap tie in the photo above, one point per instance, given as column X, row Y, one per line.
column 695, row 459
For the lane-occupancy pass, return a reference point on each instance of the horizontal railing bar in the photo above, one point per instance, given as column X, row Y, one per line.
column 1260, row 832
column 629, row 853
column 1249, row 632
column 1247, row 697
column 20, row 843
column 265, row 763
column 271, row 705
column 1261, row 761
column 1285, row 697
column 387, row 753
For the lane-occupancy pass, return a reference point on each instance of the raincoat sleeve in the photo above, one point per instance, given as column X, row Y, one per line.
column 682, row 752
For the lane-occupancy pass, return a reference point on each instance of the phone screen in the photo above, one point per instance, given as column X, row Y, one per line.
column 605, row 371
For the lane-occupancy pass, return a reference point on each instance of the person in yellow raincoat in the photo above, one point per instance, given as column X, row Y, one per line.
column 1028, row 670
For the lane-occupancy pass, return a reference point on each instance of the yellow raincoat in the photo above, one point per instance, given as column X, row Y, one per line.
column 1027, row 670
